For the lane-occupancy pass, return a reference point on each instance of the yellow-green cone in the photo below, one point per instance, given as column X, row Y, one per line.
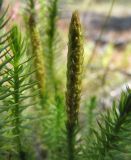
column 74, row 69
column 74, row 76
column 37, row 52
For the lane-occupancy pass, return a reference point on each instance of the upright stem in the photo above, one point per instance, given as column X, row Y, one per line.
column 16, row 99
column 71, row 142
column 17, row 115
column 51, row 35
column 74, row 75
column 16, row 111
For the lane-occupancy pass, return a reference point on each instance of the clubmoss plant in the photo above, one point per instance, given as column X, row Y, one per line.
column 15, row 91
column 16, row 48
column 36, row 48
column 55, row 100
column 51, row 42
column 27, row 132
column 74, row 76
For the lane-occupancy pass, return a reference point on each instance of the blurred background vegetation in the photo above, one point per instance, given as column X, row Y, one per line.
column 107, row 29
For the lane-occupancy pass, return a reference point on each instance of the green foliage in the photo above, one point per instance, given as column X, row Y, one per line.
column 91, row 106
column 51, row 44
column 14, row 89
column 18, row 87
column 111, row 141
column 4, row 49
column 36, row 122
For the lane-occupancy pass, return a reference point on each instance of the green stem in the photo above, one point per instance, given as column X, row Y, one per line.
column 16, row 82
column 71, row 142
column 16, row 113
